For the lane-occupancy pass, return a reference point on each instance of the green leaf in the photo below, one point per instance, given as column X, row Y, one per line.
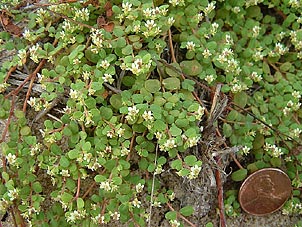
column 159, row 125
column 171, row 215
column 240, row 99
column 190, row 160
column 152, row 85
column 258, row 141
column 276, row 162
column 116, row 101
column 117, row 180
column 134, row 38
column 209, row 224
column 80, row 203
column 99, row 178
column 187, row 211
column 171, row 83
column 182, row 123
column 5, row 176
column 37, row 187
column 106, row 112
column 173, row 72
column 73, row 154
column 64, row 162
column 175, row 131
column 176, row 164
column 127, row 50
column 191, row 68
column 266, row 69
column 66, row 197
column 151, row 168
column 161, row 160
column 227, row 130
column 24, row 131
column 118, row 31
column 239, row 175
column 285, row 67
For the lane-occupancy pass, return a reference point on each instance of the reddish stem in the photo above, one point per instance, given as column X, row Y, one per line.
column 220, row 195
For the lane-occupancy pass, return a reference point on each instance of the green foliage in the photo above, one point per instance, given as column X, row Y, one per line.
column 129, row 113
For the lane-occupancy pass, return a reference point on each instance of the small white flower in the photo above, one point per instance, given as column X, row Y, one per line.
column 255, row 77
column 158, row 135
column 136, row 203
column 26, row 34
column 13, row 194
column 108, row 78
column 115, row 216
column 245, row 150
column 200, row 112
column 105, row 64
column 210, row 7
column 65, row 173
column 126, row 7
column 169, row 144
column 194, row 171
column 120, row 132
column 139, row 187
column 236, row 88
column 176, row 2
column 148, row 116
column 209, row 78
column 296, row 133
column 236, row 9
column 11, row 158
column 132, row 112
column 256, row 31
column 22, row 56
column 73, row 94
column 191, row 142
column 190, row 45
column 206, row 53
column 200, row 16
column 136, row 28
column 105, row 185
column 171, row 21
column 32, row 101
column 150, row 24
column 125, row 151
column 174, row 223
column 147, row 12
column 156, row 204
column 158, row 170
column 214, row 28
column 76, row 61
column 296, row 94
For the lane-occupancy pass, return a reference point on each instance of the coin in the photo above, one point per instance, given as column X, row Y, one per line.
column 264, row 191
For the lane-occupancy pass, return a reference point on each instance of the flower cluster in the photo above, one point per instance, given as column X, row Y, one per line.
column 273, row 150
column 81, row 14
column 74, row 216
column 194, row 172
column 291, row 107
column 132, row 113
column 33, row 53
column 108, row 186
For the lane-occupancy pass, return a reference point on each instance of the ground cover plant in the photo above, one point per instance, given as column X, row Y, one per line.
column 124, row 91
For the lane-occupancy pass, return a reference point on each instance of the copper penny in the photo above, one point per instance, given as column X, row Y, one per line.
column 264, row 191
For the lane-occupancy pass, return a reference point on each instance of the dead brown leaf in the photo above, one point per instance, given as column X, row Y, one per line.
column 108, row 8
column 8, row 25
column 101, row 21
column 109, row 27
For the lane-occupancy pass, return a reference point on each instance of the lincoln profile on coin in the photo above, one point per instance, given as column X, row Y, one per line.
column 264, row 199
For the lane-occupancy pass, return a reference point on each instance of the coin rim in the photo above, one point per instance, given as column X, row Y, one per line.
column 258, row 172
